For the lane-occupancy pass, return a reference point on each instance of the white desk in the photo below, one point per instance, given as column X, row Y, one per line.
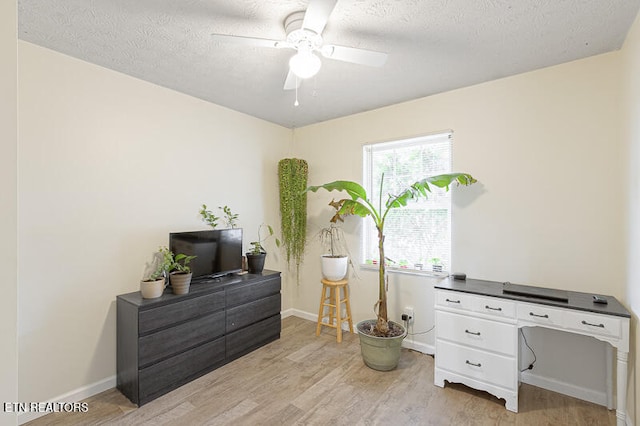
column 477, row 334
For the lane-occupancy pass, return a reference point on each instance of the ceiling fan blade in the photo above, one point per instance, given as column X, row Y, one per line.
column 354, row 55
column 250, row 41
column 317, row 15
column 291, row 82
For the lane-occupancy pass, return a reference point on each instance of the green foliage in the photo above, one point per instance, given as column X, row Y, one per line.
column 208, row 217
column 229, row 218
column 176, row 262
column 292, row 178
column 155, row 269
column 359, row 204
column 258, row 247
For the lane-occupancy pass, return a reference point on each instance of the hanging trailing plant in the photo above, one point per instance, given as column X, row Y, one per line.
column 292, row 176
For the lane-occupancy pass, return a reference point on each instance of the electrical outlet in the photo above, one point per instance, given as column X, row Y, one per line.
column 408, row 311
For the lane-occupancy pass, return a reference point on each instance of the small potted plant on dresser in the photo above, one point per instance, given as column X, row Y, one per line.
column 153, row 279
column 257, row 255
column 179, row 270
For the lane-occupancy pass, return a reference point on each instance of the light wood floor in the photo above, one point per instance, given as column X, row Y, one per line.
column 302, row 379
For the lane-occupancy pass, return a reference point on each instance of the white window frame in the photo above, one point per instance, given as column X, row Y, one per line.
column 368, row 238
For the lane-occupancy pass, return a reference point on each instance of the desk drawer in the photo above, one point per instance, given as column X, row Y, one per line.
column 479, row 333
column 540, row 314
column 593, row 323
column 455, row 299
column 495, row 307
column 489, row 368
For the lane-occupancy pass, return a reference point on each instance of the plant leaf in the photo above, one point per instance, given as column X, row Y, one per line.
column 354, row 189
column 422, row 187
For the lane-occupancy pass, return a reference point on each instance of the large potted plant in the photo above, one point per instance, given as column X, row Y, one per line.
column 257, row 255
column 381, row 339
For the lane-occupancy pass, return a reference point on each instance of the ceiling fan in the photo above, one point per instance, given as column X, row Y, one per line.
column 304, row 34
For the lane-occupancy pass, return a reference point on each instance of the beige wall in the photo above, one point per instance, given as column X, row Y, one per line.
column 108, row 166
column 8, row 201
column 631, row 68
column 548, row 209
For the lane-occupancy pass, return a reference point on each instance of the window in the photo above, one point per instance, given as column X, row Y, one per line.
column 418, row 235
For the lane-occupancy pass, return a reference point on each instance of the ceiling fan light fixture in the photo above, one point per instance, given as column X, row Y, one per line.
column 304, row 64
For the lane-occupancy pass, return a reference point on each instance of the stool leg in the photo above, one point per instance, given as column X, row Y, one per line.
column 346, row 298
column 332, row 302
column 339, row 315
column 321, row 311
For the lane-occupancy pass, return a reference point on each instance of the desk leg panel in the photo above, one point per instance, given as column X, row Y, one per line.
column 510, row 397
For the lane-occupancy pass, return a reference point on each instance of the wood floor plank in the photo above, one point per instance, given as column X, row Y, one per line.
column 302, row 379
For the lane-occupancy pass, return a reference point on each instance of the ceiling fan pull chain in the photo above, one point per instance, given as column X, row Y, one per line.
column 296, row 103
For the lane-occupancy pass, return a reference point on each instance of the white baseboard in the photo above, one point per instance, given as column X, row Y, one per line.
column 564, row 388
column 73, row 396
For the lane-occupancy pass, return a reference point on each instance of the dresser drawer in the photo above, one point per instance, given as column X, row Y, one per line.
column 593, row 323
column 167, row 315
column 243, row 293
column 163, row 376
column 480, row 365
column 247, row 314
column 540, row 314
column 455, row 299
column 173, row 340
column 495, row 307
column 252, row 337
column 478, row 333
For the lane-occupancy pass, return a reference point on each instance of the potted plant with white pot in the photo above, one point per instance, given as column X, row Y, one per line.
column 381, row 339
column 153, row 279
column 335, row 259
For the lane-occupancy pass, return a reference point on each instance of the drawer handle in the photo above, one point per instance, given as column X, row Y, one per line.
column 493, row 309
column 471, row 363
column 592, row 325
column 539, row 316
column 452, row 301
column 477, row 333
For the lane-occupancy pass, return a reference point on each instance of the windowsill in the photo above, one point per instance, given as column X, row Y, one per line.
column 396, row 270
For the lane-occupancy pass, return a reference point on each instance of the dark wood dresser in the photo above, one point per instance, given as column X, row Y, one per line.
column 166, row 342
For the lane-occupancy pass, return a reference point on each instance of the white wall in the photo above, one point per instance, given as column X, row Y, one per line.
column 548, row 209
column 108, row 166
column 9, row 212
column 631, row 67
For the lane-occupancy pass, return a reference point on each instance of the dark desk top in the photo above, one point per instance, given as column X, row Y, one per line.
column 576, row 300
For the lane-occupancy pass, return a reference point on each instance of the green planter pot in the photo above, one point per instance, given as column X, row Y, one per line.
column 380, row 353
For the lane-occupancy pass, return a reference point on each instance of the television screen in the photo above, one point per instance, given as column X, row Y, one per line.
column 218, row 252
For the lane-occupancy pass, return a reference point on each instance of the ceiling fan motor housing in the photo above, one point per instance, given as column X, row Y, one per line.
column 298, row 36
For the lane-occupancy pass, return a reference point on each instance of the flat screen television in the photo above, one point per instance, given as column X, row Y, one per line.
column 218, row 251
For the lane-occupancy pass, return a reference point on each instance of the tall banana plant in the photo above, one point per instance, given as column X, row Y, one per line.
column 360, row 204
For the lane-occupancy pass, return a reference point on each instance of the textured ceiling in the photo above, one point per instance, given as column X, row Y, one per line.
column 433, row 46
